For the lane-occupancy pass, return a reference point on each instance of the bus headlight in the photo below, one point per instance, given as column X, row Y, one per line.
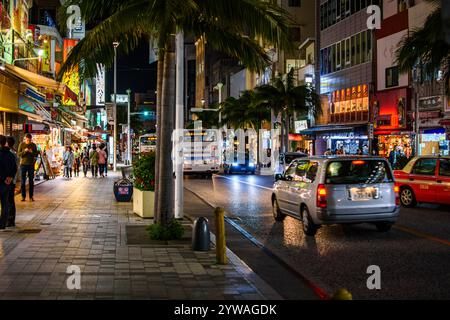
column 235, row 164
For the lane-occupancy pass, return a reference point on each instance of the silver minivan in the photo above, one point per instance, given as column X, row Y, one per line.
column 335, row 190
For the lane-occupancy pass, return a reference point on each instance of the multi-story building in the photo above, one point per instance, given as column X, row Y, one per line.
column 347, row 77
column 394, row 103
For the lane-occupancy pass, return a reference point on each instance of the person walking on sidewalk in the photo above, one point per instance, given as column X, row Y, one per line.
column 93, row 158
column 106, row 165
column 10, row 142
column 27, row 153
column 85, row 160
column 77, row 162
column 68, row 159
column 7, row 173
column 102, row 161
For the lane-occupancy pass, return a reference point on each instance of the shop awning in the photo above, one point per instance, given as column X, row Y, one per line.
column 34, row 79
column 72, row 114
column 320, row 129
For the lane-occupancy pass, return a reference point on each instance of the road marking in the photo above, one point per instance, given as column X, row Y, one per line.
column 244, row 182
column 421, row 234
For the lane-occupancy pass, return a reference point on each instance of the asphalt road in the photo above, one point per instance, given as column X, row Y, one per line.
column 414, row 257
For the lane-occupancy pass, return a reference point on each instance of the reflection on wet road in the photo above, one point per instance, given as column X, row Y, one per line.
column 414, row 257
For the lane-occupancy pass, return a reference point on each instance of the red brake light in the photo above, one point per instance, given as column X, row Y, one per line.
column 397, row 195
column 321, row 196
column 358, row 162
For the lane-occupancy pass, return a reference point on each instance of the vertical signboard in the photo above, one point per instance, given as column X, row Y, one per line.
column 100, row 86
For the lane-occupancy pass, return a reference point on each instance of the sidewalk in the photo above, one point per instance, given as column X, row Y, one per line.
column 78, row 222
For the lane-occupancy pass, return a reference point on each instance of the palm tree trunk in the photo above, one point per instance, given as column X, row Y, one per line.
column 166, row 192
column 159, row 83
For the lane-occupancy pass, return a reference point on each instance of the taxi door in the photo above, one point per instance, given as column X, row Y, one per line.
column 443, row 182
column 423, row 179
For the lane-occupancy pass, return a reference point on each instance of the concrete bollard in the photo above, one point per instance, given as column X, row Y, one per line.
column 342, row 294
column 200, row 236
column 221, row 248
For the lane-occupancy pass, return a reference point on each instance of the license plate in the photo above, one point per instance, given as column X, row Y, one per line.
column 363, row 194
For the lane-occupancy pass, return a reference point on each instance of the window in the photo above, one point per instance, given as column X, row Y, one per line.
column 363, row 47
column 369, row 45
column 347, row 52
column 301, row 169
column 338, row 56
column 329, row 14
column 353, row 4
column 329, row 60
column 342, row 62
column 353, row 50
column 312, row 172
column 295, row 3
column 347, row 8
column 333, row 12
column 444, row 167
column 321, row 18
column 391, row 77
column 333, row 57
column 358, row 6
column 338, row 10
column 325, row 15
column 355, row 172
column 425, row 167
column 290, row 172
column 358, row 48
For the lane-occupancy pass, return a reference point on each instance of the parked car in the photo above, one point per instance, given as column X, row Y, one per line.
column 424, row 179
column 337, row 190
column 286, row 159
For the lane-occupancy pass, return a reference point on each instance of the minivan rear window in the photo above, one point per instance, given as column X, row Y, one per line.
column 358, row 171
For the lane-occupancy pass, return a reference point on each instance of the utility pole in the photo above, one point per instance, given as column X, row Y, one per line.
column 129, row 129
column 179, row 126
column 115, row 44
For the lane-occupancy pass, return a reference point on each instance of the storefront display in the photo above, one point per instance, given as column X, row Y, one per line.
column 387, row 143
column 433, row 142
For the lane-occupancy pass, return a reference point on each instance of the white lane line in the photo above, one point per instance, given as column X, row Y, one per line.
column 244, row 182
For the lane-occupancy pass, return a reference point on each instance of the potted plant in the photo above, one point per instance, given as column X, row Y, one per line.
column 144, row 185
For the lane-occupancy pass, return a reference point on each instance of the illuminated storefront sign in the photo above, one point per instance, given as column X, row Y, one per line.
column 350, row 99
column 100, row 86
column 71, row 78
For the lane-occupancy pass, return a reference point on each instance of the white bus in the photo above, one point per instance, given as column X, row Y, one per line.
column 201, row 151
column 147, row 143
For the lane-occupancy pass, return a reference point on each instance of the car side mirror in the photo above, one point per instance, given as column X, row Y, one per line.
column 278, row 177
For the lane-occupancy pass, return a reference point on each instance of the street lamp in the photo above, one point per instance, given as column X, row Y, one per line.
column 115, row 45
column 219, row 87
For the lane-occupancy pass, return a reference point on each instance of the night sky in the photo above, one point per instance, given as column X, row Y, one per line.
column 133, row 72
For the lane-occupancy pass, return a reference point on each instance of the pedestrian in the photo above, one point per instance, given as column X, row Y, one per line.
column 328, row 152
column 102, row 160
column 68, row 160
column 85, row 160
column 393, row 156
column 10, row 142
column 7, row 173
column 27, row 153
column 93, row 158
column 359, row 152
column 106, row 165
column 77, row 162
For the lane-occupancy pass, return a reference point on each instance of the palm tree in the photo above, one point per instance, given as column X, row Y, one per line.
column 230, row 26
column 286, row 99
column 241, row 113
column 426, row 46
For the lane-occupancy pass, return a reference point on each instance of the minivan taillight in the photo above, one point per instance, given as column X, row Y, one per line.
column 397, row 195
column 321, row 196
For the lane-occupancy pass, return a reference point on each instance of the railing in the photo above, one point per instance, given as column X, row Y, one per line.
column 349, row 117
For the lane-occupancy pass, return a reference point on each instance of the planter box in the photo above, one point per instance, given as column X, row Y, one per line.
column 143, row 203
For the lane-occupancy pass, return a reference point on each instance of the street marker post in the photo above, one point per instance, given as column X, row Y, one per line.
column 221, row 249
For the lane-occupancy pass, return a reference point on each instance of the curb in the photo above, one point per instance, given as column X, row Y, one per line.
column 316, row 289
column 263, row 288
